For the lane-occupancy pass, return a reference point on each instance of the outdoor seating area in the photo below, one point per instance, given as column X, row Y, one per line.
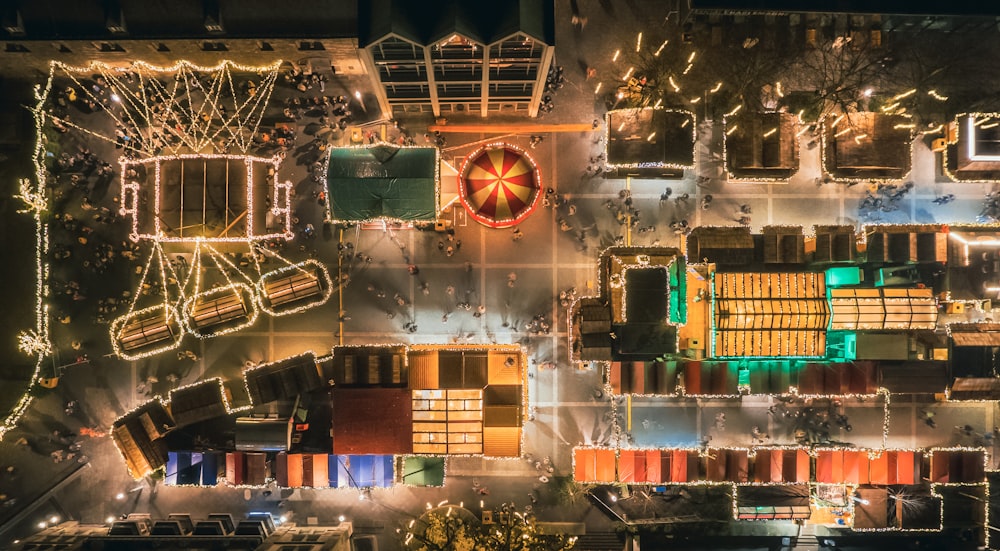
column 148, row 331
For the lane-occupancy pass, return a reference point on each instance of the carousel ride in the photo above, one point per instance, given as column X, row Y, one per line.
column 200, row 188
column 499, row 185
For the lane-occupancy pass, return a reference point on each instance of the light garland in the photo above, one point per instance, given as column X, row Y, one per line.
column 34, row 200
column 41, row 332
column 172, row 343
column 246, row 116
column 33, row 344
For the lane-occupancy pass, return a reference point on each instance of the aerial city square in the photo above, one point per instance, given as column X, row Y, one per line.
column 526, row 274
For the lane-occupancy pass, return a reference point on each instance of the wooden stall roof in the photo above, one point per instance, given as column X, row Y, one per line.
column 975, row 388
column 198, row 402
column 722, row 237
column 770, row 314
column 883, row 309
column 975, row 334
column 283, row 379
column 502, row 441
column 448, row 421
column 137, row 435
column 369, row 366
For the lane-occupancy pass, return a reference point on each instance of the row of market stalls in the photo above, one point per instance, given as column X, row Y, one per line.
column 387, row 401
column 732, row 246
column 778, row 465
column 733, row 377
column 842, row 488
column 301, row 470
column 761, row 146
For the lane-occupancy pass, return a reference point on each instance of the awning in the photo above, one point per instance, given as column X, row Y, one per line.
column 781, row 465
column 364, row 471
column 772, row 502
column 594, row 465
column 975, row 388
column 500, row 185
column 191, row 468
column 423, row 471
column 957, row 466
column 725, row 465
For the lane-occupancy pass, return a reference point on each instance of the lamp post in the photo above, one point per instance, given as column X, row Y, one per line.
column 357, row 94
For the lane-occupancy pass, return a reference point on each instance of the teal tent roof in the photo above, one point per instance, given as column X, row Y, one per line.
column 423, row 471
column 383, row 182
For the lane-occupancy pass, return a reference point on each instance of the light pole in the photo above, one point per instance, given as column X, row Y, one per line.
column 357, row 94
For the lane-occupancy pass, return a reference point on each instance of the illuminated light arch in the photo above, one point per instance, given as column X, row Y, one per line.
column 500, row 185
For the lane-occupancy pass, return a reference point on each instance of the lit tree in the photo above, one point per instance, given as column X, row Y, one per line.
column 450, row 528
column 34, row 200
column 657, row 69
column 439, row 530
column 516, row 531
column 32, row 343
column 839, row 71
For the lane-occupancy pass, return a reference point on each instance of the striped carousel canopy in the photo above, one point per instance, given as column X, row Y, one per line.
column 499, row 185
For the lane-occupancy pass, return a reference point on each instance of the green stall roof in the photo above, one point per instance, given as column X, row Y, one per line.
column 365, row 183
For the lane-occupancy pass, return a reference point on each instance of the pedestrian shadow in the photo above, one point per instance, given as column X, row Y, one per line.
column 923, row 216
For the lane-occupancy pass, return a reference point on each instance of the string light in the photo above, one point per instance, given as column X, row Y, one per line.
column 39, row 339
column 638, row 43
column 660, row 49
column 906, row 94
column 934, row 94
